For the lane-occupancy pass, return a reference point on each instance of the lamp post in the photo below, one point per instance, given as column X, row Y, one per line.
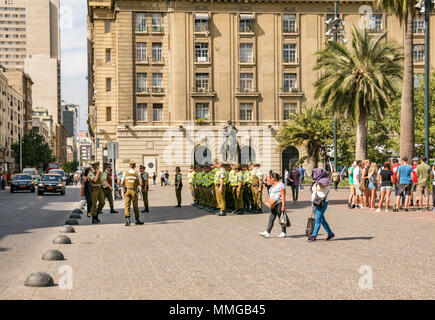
column 335, row 27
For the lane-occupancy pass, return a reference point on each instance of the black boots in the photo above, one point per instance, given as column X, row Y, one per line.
column 113, row 211
column 127, row 221
column 145, row 210
column 138, row 222
column 95, row 220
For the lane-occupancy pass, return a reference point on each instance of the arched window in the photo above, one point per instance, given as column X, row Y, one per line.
column 202, row 155
column 289, row 157
column 247, row 154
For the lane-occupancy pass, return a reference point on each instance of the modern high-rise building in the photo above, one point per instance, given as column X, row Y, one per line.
column 30, row 41
column 166, row 77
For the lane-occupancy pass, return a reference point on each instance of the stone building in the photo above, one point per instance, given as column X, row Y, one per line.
column 165, row 77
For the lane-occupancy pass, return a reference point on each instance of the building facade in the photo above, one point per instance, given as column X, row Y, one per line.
column 42, row 115
column 11, row 123
column 40, row 127
column 22, row 83
column 180, row 82
column 30, row 41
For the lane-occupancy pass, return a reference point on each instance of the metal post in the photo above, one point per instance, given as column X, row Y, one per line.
column 113, row 170
column 428, row 5
column 335, row 118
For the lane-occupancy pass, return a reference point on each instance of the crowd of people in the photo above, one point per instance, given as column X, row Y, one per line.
column 411, row 185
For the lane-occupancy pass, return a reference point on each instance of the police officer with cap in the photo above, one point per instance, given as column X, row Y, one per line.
column 145, row 187
column 107, row 189
column 96, row 182
column 131, row 180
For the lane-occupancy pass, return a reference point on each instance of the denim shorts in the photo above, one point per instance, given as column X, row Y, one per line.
column 372, row 186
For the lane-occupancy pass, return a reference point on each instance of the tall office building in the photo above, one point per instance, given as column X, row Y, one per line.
column 30, row 41
column 165, row 77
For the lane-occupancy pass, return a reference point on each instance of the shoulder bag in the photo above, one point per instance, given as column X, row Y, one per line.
column 270, row 203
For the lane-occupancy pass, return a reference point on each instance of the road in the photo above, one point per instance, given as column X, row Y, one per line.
column 189, row 254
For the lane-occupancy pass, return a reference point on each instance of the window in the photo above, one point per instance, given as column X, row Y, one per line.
column 108, row 113
column 157, row 112
column 289, row 108
column 141, row 22
column 202, row 111
column 246, row 82
column 157, row 82
column 108, row 55
column 289, row 81
column 289, row 23
column 157, row 52
column 141, row 112
column 246, row 54
column 289, row 52
column 418, row 24
column 141, row 51
column 156, row 22
column 376, row 23
column 108, row 84
column 201, row 52
column 141, row 82
column 107, row 26
column 418, row 53
column 246, row 23
column 246, row 111
column 201, row 82
column 201, row 22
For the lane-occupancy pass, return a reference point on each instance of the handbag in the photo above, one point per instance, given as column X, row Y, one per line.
column 284, row 220
column 270, row 203
column 310, row 225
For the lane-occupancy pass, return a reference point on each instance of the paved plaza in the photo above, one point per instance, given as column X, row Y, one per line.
column 186, row 253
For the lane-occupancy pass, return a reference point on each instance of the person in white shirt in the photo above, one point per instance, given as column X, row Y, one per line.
column 320, row 191
column 356, row 182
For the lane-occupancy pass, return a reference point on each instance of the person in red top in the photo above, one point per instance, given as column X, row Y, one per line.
column 396, row 183
column 414, row 181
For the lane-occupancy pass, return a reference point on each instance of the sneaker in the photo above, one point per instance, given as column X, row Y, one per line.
column 419, row 209
column 427, row 209
column 265, row 234
column 395, row 210
column 282, row 235
column 406, row 210
column 386, row 210
column 330, row 237
column 378, row 210
column 311, row 239
column 349, row 206
column 361, row 207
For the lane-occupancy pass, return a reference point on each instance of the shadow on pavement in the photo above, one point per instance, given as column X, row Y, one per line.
column 353, row 238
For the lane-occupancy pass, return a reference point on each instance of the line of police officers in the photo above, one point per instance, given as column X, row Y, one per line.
column 221, row 187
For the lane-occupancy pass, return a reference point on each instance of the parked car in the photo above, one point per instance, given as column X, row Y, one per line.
column 51, row 183
column 22, row 181
column 59, row 172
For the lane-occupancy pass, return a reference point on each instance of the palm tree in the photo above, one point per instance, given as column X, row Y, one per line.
column 359, row 83
column 405, row 11
column 310, row 129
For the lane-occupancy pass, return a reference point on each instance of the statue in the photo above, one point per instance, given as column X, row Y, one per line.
column 229, row 146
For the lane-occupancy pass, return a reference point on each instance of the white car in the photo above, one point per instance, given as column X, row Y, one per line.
column 59, row 172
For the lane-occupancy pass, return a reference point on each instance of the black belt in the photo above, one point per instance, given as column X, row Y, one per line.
column 95, row 187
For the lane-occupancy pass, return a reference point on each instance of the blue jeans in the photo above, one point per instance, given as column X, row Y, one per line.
column 320, row 220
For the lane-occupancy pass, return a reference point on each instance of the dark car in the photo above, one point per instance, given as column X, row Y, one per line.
column 51, row 183
column 22, row 182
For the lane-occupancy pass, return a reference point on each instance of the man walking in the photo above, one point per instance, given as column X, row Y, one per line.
column 219, row 183
column 131, row 180
column 145, row 187
column 351, row 201
column 257, row 188
column 107, row 189
column 303, row 173
column 414, row 182
column 295, row 179
column 404, row 176
column 178, row 185
column 424, row 175
column 357, row 178
column 96, row 182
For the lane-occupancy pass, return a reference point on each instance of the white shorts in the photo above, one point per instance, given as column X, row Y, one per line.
column 386, row 188
column 357, row 190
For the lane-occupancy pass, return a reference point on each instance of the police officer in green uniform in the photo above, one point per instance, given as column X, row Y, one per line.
column 236, row 183
column 145, row 187
column 107, row 189
column 96, row 182
column 257, row 188
column 178, row 186
column 131, row 180
column 219, row 188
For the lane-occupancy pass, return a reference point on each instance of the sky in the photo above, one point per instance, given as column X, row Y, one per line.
column 74, row 55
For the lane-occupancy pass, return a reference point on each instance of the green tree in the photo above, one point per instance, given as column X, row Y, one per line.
column 310, row 129
column 35, row 151
column 405, row 11
column 359, row 83
column 71, row 166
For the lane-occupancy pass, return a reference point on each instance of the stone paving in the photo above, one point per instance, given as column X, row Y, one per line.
column 186, row 253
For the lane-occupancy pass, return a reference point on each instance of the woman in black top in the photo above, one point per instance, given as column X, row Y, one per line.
column 385, row 178
column 86, row 191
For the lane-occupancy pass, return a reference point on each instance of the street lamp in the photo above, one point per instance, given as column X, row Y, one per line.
column 425, row 6
column 336, row 29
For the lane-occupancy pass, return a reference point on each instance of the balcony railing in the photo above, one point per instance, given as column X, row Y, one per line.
column 290, row 90
column 141, row 29
column 158, row 90
column 157, row 29
column 289, row 30
column 157, row 60
column 142, row 90
column 202, row 59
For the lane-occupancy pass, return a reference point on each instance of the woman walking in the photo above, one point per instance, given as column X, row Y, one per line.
column 365, row 182
column 373, row 184
column 386, row 179
column 319, row 202
column 277, row 194
column 86, row 191
column 335, row 178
